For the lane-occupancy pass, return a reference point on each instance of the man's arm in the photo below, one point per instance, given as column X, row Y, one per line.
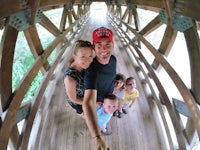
column 89, row 109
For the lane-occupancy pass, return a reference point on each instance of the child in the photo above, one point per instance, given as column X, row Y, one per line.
column 130, row 94
column 119, row 92
column 73, row 77
column 105, row 112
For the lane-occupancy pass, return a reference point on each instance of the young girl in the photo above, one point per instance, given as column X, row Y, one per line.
column 73, row 76
column 119, row 92
column 130, row 94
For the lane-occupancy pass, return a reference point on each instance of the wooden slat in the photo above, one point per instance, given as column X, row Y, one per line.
column 35, row 45
column 193, row 45
column 166, row 44
column 7, row 55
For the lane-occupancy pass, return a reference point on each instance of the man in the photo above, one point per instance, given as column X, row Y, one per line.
column 99, row 80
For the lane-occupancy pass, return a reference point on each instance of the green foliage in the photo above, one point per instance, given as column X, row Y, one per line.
column 23, row 60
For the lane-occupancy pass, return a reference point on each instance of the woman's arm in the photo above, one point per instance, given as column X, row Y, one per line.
column 70, row 87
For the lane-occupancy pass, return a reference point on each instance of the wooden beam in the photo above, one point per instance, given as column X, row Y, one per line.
column 151, row 26
column 34, row 6
column 7, row 49
column 48, row 3
column 9, row 7
column 190, row 8
column 151, row 3
column 125, row 15
column 193, row 46
column 35, row 45
column 47, row 24
column 15, row 136
column 166, row 44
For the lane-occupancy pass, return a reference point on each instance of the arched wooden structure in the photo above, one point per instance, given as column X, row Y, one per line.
column 175, row 118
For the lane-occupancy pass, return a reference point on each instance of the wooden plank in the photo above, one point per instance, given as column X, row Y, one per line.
column 166, row 44
column 35, row 45
column 7, row 55
column 193, row 45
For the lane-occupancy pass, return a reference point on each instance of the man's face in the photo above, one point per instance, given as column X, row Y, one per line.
column 103, row 49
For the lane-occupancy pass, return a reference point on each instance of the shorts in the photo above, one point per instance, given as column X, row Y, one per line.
column 77, row 107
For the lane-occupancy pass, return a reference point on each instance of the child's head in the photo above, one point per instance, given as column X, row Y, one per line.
column 119, row 81
column 130, row 84
column 83, row 54
column 110, row 103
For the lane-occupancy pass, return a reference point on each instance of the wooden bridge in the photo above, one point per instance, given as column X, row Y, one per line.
column 165, row 116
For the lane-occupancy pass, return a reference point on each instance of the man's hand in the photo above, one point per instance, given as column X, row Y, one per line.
column 100, row 144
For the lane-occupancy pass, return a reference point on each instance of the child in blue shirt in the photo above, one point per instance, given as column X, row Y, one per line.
column 105, row 112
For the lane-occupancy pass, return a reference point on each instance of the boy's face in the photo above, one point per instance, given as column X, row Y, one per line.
column 110, row 106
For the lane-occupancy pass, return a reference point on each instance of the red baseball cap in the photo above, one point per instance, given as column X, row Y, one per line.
column 101, row 33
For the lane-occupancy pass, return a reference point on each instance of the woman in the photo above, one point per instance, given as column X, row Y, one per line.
column 73, row 76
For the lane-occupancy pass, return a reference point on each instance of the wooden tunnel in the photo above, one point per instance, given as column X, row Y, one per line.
column 156, row 41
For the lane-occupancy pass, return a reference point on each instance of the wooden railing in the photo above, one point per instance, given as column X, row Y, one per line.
column 162, row 100
column 14, row 110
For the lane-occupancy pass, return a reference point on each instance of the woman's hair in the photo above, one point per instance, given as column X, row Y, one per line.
column 120, row 76
column 79, row 44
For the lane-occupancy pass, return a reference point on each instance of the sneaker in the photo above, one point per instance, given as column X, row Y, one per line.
column 107, row 132
column 119, row 114
column 116, row 113
column 125, row 111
